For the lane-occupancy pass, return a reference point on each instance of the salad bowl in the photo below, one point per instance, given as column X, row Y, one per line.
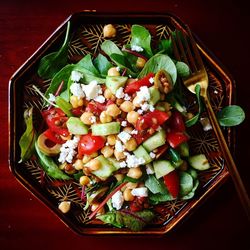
column 86, row 33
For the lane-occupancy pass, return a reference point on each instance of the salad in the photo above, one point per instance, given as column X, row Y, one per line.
column 116, row 124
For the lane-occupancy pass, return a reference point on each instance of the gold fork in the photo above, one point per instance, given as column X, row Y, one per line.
column 185, row 49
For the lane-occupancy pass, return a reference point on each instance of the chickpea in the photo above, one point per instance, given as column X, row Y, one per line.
column 131, row 144
column 132, row 117
column 127, row 106
column 109, row 31
column 136, row 102
column 119, row 101
column 84, row 180
column 107, row 151
column 119, row 177
column 78, row 165
column 74, row 101
column 107, row 93
column 94, row 165
column 87, row 158
column 111, row 139
column 127, row 195
column 113, row 110
column 119, row 155
column 113, row 72
column 86, row 118
column 135, row 173
column 80, row 102
column 64, row 206
column 94, row 206
column 104, row 117
column 189, row 115
column 128, row 129
column 131, row 185
column 140, row 62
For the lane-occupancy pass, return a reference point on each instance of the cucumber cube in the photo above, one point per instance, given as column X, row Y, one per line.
column 162, row 168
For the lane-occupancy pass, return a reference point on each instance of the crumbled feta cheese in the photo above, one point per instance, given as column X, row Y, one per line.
column 134, row 132
column 152, row 155
column 124, row 136
column 77, row 90
column 159, row 128
column 92, row 90
column 118, row 146
column 117, row 68
column 206, row 124
column 92, row 119
column 136, row 48
column 52, row 98
column 140, row 191
column 216, row 92
column 129, row 76
column 150, row 169
column 100, row 99
column 145, row 106
column 132, row 161
column 140, row 111
column 143, row 95
column 119, row 93
column 151, row 108
column 123, row 164
column 76, row 76
column 117, row 200
column 127, row 97
column 107, row 144
column 151, row 79
column 67, row 150
column 124, row 123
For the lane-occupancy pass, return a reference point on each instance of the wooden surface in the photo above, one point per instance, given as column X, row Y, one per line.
column 220, row 223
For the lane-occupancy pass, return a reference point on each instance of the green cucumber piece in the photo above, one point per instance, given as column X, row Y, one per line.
column 76, row 126
column 106, row 128
column 199, row 162
column 155, row 141
column 106, row 169
column 115, row 163
column 154, row 95
column 64, row 105
column 113, row 83
column 162, row 168
column 141, row 152
column 184, row 149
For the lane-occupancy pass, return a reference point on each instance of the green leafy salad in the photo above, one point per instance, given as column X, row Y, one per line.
column 116, row 125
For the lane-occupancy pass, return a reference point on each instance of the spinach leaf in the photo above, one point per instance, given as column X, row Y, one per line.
column 53, row 62
column 49, row 166
column 27, row 140
column 192, row 193
column 195, row 119
column 158, row 62
column 231, row 116
column 102, row 64
column 165, row 46
column 140, row 36
column 134, row 221
column 182, row 69
column 186, row 183
column 159, row 198
column 154, row 185
column 110, row 47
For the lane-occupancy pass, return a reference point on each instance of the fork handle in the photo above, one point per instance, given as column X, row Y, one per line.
column 242, row 193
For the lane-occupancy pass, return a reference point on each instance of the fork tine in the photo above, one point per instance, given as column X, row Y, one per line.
column 195, row 49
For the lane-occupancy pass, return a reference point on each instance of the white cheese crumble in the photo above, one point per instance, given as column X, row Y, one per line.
column 52, row 98
column 119, row 93
column 127, row 97
column 132, row 161
column 143, row 95
column 124, row 123
column 92, row 90
column 76, row 76
column 216, row 92
column 152, row 155
column 140, row 111
column 134, row 132
column 117, row 200
column 117, row 68
column 136, row 48
column 123, row 164
column 140, row 191
column 124, row 136
column 206, row 124
column 118, row 146
column 76, row 90
column 151, row 108
column 67, row 150
column 151, row 80
column 100, row 99
column 92, row 119
column 150, row 169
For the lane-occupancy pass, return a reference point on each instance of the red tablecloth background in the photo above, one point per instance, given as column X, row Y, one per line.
column 220, row 223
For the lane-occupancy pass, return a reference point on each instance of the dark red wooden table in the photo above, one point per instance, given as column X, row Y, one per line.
column 220, row 223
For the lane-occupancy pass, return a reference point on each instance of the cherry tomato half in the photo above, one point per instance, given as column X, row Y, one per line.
column 172, row 182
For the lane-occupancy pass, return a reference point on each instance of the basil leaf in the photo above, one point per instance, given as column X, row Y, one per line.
column 195, row 119
column 159, row 62
column 53, row 62
column 49, row 166
column 140, row 36
column 27, row 140
column 231, row 116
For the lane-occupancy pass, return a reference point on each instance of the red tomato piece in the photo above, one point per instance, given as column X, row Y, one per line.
column 135, row 86
column 89, row 144
column 176, row 122
column 141, row 136
column 152, row 119
column 176, row 138
column 58, row 125
column 53, row 136
column 137, row 204
column 77, row 111
column 172, row 182
column 53, row 112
